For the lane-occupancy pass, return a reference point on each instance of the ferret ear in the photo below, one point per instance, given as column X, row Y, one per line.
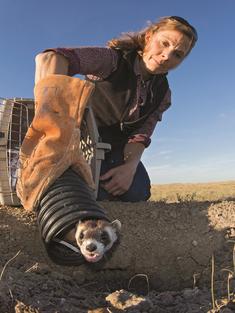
column 116, row 224
column 77, row 224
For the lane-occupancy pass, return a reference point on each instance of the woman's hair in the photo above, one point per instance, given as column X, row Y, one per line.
column 136, row 40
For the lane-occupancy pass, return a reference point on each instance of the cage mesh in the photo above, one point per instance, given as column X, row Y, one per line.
column 16, row 116
column 19, row 121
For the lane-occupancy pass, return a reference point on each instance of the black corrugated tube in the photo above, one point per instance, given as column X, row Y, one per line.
column 68, row 200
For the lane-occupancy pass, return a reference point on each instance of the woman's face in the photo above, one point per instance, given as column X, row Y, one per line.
column 164, row 50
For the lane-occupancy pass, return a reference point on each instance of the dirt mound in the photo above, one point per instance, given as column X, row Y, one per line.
column 164, row 255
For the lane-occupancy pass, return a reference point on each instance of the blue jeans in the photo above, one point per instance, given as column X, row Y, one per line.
column 140, row 187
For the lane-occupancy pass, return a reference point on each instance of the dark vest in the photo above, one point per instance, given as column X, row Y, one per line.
column 113, row 96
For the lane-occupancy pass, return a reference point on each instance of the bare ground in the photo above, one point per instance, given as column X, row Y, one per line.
column 30, row 282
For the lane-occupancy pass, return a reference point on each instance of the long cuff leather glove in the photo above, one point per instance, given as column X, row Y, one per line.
column 51, row 144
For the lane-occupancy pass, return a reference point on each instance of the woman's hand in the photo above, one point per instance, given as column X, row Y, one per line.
column 119, row 179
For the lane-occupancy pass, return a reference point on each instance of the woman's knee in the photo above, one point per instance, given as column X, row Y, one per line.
column 140, row 189
column 137, row 195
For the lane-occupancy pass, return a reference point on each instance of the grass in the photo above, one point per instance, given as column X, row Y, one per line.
column 170, row 193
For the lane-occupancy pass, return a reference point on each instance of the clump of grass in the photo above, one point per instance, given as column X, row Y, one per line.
column 188, row 197
column 217, row 305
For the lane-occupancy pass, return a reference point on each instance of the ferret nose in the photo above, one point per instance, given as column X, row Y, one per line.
column 91, row 247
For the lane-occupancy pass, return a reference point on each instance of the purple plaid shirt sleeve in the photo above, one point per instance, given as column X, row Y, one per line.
column 100, row 62
column 97, row 61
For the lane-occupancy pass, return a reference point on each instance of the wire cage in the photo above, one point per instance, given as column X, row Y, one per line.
column 16, row 116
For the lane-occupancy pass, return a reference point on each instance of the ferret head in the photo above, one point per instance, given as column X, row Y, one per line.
column 95, row 237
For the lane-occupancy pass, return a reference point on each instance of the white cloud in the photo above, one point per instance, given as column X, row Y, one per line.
column 211, row 169
column 164, row 152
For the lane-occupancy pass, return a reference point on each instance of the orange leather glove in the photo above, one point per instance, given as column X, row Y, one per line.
column 51, row 144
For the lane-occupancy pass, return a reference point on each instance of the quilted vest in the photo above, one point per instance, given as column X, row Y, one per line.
column 112, row 98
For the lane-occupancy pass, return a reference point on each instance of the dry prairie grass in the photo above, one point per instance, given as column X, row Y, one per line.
column 216, row 191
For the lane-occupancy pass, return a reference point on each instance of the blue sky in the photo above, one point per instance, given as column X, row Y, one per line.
column 195, row 141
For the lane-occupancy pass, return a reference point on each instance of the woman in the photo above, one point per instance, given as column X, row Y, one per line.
column 130, row 96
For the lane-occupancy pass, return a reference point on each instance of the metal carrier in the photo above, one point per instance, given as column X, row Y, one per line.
column 16, row 116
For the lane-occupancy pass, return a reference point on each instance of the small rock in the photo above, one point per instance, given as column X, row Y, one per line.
column 167, row 298
column 79, row 276
column 62, row 301
column 44, row 286
column 194, row 243
column 44, row 268
column 123, row 300
column 99, row 310
column 190, row 293
column 173, row 214
column 21, row 308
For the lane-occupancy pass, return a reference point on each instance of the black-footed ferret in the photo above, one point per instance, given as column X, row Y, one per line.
column 94, row 237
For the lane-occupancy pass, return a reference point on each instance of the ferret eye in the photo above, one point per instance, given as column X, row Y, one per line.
column 104, row 236
column 81, row 235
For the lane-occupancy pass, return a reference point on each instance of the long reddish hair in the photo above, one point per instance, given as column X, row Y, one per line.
column 136, row 40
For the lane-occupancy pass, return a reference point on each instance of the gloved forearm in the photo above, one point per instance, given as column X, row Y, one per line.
column 50, row 63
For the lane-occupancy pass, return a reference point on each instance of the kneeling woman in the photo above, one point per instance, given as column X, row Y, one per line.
column 131, row 94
